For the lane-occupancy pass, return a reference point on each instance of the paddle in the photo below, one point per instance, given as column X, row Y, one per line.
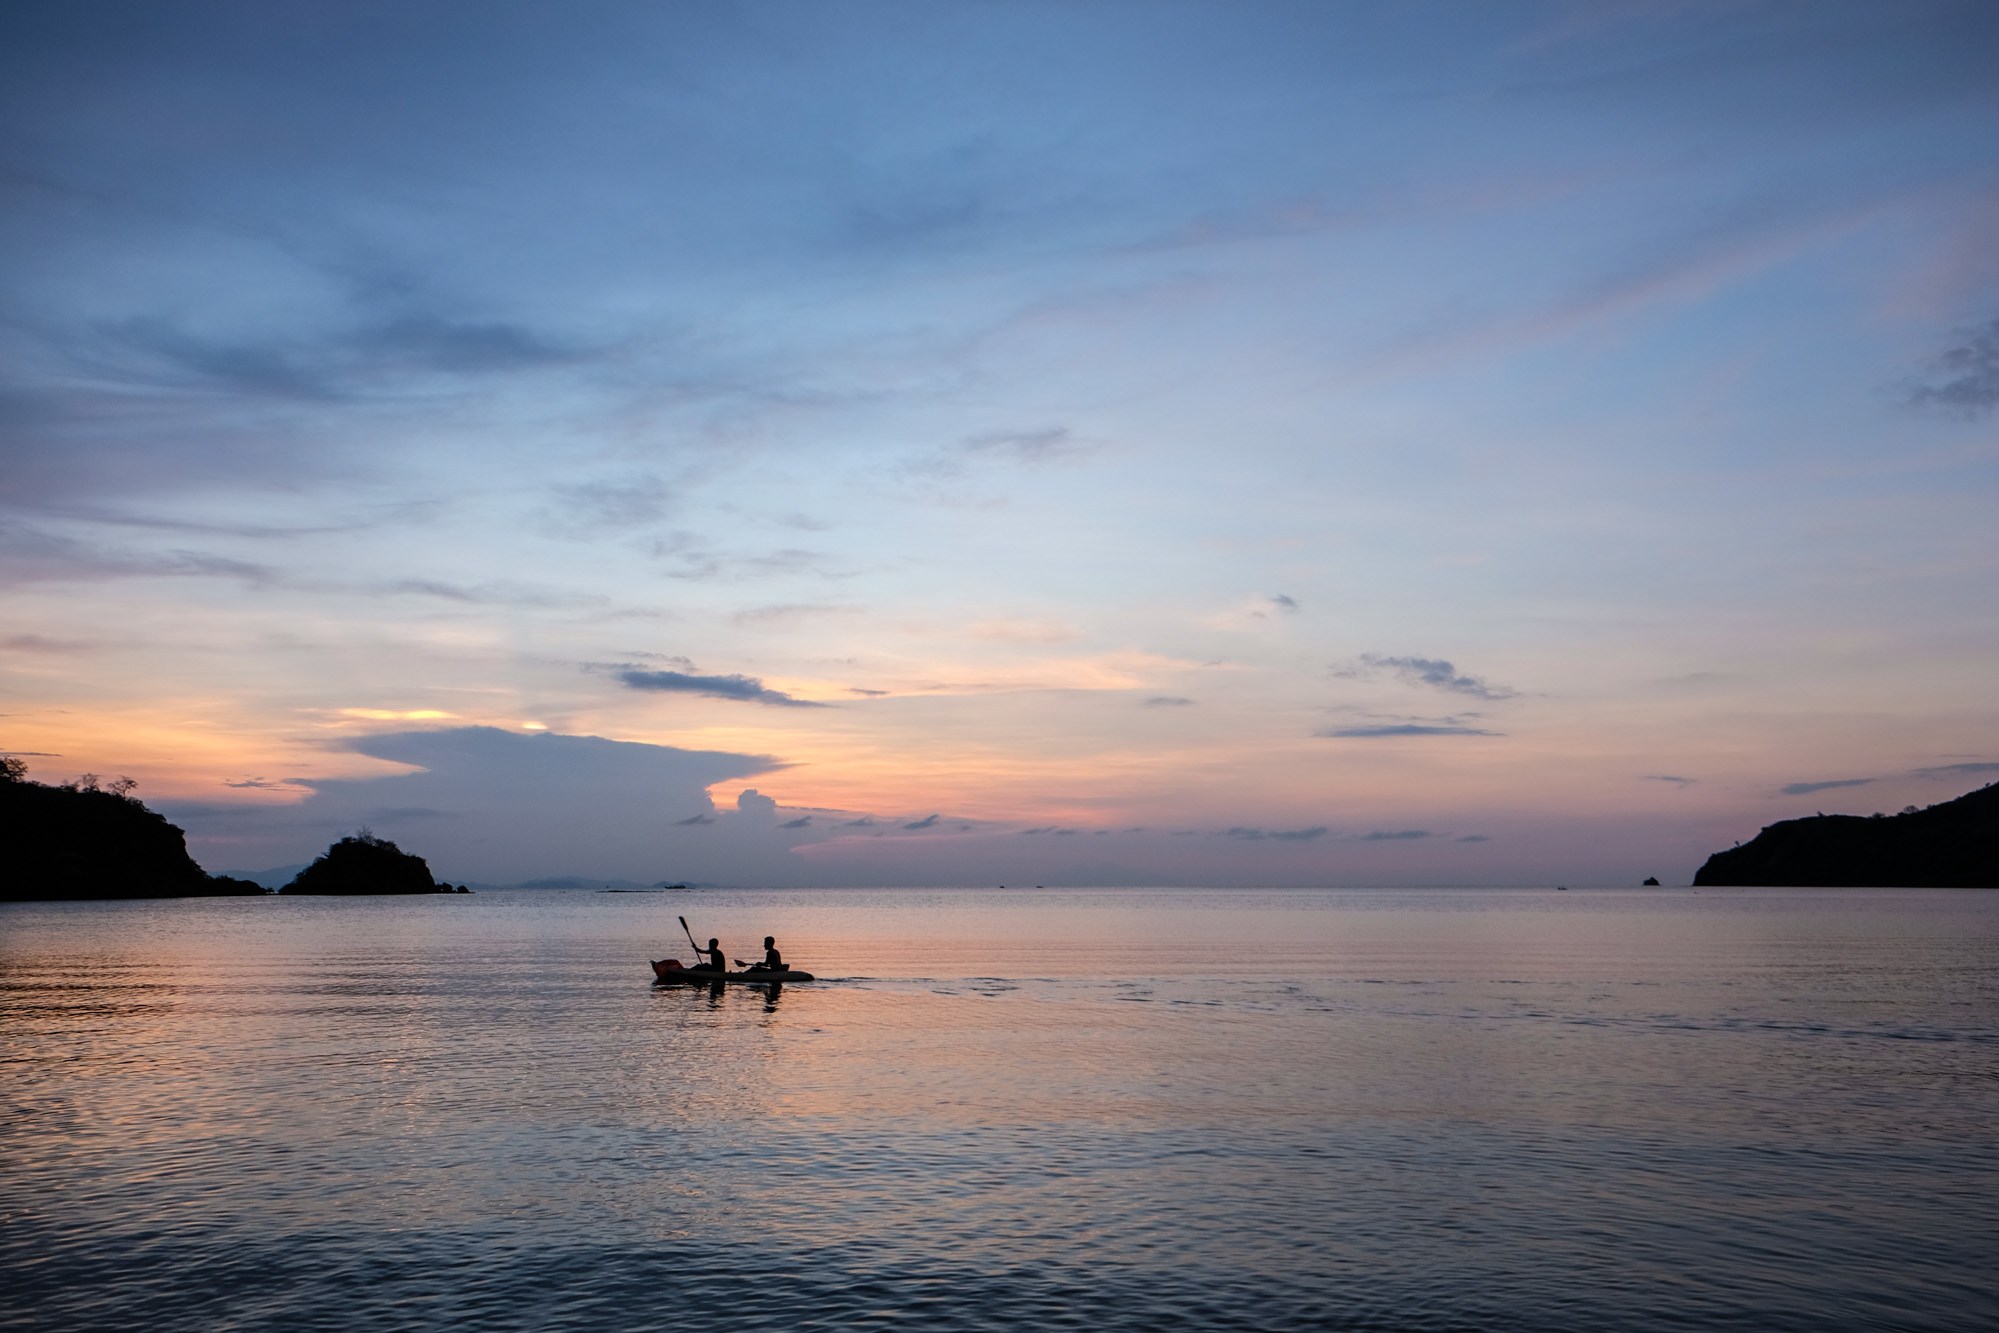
column 700, row 958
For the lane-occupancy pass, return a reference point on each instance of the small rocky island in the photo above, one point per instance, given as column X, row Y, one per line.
column 363, row 863
column 86, row 839
column 1954, row 845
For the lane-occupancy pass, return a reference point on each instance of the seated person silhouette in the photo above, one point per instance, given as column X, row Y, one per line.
column 773, row 960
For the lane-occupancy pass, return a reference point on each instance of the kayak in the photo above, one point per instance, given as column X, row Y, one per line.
column 750, row 976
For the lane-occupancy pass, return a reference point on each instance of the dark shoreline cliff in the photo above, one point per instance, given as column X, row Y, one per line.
column 81, row 841
column 1954, row 845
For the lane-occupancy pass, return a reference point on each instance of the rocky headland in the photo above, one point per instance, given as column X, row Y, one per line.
column 85, row 840
column 1954, row 845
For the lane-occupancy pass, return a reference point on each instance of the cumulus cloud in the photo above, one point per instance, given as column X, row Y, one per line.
column 1964, row 381
column 755, row 805
column 1428, row 672
column 745, row 688
column 1807, row 788
column 503, row 807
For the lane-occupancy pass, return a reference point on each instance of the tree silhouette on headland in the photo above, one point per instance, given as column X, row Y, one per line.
column 89, row 839
column 1954, row 845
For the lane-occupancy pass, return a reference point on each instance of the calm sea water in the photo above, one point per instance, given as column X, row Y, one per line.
column 1421, row 1110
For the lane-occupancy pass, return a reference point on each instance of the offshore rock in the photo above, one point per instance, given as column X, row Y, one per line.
column 363, row 863
column 1954, row 845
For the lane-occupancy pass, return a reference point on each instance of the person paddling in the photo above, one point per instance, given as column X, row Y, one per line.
column 773, row 960
column 716, row 959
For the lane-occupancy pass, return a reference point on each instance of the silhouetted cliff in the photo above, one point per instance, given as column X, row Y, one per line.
column 81, row 841
column 364, row 863
column 1954, row 845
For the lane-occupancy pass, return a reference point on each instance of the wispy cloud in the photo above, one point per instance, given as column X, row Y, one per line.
column 1311, row 834
column 1397, row 835
column 683, row 555
column 1021, row 629
column 702, row 818
column 1807, row 788
column 1954, row 770
column 37, row 643
column 1669, row 778
column 1445, row 727
column 1430, row 672
column 928, row 821
column 320, row 366
column 747, row 689
column 788, row 614
column 612, row 502
column 1168, row 701
column 1964, row 381
column 30, row 555
column 1026, row 446
column 480, row 594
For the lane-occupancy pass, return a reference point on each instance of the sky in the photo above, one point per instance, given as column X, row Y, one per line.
column 966, row 442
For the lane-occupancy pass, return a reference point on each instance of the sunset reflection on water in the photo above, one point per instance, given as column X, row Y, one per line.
column 1424, row 1108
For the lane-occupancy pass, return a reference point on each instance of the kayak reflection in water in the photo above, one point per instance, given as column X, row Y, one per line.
column 773, row 960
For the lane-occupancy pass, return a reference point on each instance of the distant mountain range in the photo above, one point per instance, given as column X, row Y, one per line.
column 1954, row 845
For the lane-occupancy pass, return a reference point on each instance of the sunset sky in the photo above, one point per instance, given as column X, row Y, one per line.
column 1081, row 442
